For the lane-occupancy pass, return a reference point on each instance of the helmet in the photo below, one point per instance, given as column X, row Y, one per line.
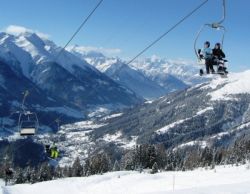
column 218, row 44
column 207, row 43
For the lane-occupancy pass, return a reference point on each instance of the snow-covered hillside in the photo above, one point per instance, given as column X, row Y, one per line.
column 210, row 114
column 199, row 116
column 226, row 89
column 221, row 180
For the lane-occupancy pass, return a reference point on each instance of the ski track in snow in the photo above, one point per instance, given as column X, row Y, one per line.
column 221, row 180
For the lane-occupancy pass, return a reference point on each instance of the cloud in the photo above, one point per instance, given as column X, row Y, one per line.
column 105, row 51
column 17, row 30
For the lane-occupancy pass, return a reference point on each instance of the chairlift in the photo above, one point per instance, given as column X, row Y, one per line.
column 27, row 123
column 215, row 26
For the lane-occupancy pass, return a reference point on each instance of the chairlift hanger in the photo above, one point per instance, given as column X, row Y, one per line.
column 216, row 25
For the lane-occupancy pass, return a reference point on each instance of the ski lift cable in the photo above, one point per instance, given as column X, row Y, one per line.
column 224, row 12
column 78, row 29
column 58, row 55
column 154, row 42
column 168, row 31
column 26, row 93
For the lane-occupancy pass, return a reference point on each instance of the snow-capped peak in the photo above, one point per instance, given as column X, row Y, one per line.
column 27, row 48
column 20, row 30
column 85, row 52
column 156, row 67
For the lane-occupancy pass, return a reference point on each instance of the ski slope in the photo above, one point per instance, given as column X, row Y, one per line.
column 222, row 180
column 226, row 89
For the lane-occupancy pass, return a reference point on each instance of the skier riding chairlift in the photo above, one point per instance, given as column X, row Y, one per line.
column 219, row 59
column 52, row 151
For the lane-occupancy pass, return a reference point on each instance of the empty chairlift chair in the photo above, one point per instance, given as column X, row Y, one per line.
column 28, row 123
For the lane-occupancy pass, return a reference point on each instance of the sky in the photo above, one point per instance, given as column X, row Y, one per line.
column 124, row 27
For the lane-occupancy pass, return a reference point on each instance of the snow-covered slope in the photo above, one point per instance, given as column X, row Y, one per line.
column 216, row 112
column 230, row 180
column 226, row 89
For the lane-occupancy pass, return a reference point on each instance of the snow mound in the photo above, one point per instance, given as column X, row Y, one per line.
column 236, row 83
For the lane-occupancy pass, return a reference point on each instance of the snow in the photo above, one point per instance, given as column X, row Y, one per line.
column 156, row 67
column 111, row 116
column 76, row 141
column 122, row 142
column 103, row 110
column 204, row 110
column 112, row 138
column 224, row 89
column 29, row 48
column 202, row 144
column 219, row 135
column 63, row 110
column 172, row 125
column 243, row 126
column 149, row 102
column 81, row 125
column 222, row 180
column 129, row 144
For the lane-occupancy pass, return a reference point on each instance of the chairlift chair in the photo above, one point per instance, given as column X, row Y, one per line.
column 27, row 123
column 216, row 26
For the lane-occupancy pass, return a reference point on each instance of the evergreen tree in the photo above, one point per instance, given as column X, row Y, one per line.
column 116, row 166
column 151, row 156
column 45, row 172
column 19, row 176
column 155, row 168
column 87, row 168
column 77, row 169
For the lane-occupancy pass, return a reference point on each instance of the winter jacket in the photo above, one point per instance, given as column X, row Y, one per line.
column 218, row 53
column 207, row 53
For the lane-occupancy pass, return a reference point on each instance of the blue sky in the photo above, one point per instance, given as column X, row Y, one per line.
column 125, row 27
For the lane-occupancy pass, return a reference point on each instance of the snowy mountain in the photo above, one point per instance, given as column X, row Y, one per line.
column 213, row 114
column 12, row 88
column 209, row 181
column 66, row 79
column 129, row 76
column 163, row 70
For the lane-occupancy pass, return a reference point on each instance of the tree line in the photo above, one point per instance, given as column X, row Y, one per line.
column 146, row 156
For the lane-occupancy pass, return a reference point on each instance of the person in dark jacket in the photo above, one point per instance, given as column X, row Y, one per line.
column 218, row 57
column 217, row 51
column 8, row 174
